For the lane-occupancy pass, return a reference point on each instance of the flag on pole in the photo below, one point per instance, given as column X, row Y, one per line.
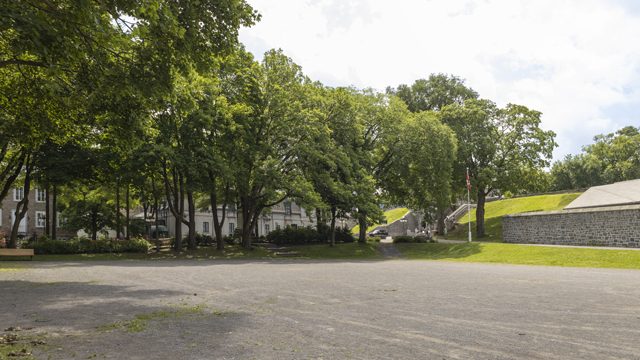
column 468, row 182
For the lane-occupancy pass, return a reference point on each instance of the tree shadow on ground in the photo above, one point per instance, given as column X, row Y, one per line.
column 89, row 317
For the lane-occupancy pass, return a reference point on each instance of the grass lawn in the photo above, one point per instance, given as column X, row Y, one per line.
column 523, row 255
column 202, row 253
column 350, row 251
column 496, row 209
column 390, row 215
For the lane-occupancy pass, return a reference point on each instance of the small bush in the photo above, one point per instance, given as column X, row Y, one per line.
column 230, row 240
column 43, row 237
column 204, row 239
column 409, row 239
column 373, row 239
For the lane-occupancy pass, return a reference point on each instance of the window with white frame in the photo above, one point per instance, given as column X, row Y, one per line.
column 287, row 208
column 266, row 228
column 205, row 227
column 232, row 228
column 40, row 219
column 231, row 210
column 41, row 195
column 18, row 193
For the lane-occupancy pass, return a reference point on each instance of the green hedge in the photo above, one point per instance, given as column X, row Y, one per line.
column 85, row 246
column 411, row 239
column 290, row 235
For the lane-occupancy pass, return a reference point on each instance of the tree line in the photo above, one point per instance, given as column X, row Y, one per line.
column 140, row 102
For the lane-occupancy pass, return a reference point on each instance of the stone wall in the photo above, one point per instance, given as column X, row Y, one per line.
column 617, row 226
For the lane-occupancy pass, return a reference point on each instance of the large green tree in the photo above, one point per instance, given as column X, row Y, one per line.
column 500, row 147
column 619, row 154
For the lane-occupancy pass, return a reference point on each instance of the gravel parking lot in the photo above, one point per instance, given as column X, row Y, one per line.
column 293, row 309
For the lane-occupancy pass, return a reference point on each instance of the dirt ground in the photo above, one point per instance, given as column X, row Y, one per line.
column 296, row 309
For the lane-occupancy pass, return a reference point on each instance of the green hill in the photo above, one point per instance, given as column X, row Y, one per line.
column 496, row 209
column 390, row 215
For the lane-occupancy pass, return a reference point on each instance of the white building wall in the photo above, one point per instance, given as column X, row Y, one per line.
column 277, row 218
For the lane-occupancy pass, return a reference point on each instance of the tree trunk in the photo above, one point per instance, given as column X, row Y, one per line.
column 480, row 214
column 217, row 224
column 94, row 224
column 441, row 222
column 155, row 197
column 47, row 212
column 363, row 228
column 333, row 226
column 54, row 209
column 192, row 221
column 117, row 211
column 246, row 223
column 318, row 221
column 128, row 237
column 22, row 207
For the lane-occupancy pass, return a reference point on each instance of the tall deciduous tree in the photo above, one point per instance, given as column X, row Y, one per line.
column 499, row 146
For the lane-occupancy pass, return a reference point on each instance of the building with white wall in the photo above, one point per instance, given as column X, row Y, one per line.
column 279, row 216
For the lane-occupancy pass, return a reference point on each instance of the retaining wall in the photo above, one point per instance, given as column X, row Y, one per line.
column 617, row 226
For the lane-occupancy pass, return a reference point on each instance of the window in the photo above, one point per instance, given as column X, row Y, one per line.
column 277, row 226
column 205, row 227
column 41, row 195
column 18, row 193
column 231, row 210
column 295, row 226
column 232, row 228
column 266, row 228
column 40, row 219
column 287, row 208
column 61, row 222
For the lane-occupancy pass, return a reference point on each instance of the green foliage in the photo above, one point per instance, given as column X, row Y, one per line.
column 503, row 149
column 434, row 93
column 290, row 235
column 409, row 239
column 85, row 246
column 204, row 239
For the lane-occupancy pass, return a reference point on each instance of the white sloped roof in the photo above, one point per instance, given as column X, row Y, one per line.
column 620, row 193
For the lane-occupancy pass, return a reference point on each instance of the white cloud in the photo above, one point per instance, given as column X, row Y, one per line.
column 570, row 59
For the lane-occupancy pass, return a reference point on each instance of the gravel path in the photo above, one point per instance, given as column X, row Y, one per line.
column 296, row 309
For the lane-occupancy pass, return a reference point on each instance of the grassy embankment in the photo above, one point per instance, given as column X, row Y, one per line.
column 390, row 215
column 496, row 209
column 523, row 255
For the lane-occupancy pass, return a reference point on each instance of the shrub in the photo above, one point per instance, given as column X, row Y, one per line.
column 43, row 237
column 230, row 240
column 408, row 239
column 204, row 239
column 373, row 239
column 86, row 246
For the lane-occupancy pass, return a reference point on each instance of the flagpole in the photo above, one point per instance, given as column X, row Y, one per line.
column 469, row 202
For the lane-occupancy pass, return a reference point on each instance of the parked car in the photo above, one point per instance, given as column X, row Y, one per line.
column 379, row 233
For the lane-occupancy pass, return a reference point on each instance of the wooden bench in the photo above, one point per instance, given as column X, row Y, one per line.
column 16, row 252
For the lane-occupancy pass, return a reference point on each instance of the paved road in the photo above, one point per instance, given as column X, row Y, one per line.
column 292, row 309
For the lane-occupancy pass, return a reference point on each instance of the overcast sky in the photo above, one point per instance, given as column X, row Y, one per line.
column 575, row 61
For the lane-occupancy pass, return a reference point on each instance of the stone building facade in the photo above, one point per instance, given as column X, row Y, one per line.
column 617, row 226
column 34, row 220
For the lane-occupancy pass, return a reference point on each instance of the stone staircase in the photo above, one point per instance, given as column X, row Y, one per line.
column 282, row 252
